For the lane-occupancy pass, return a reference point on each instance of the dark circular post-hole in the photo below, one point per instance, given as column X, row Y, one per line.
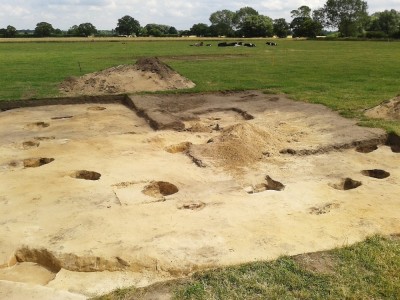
column 87, row 175
column 347, row 184
column 160, row 188
column 376, row 173
column 36, row 162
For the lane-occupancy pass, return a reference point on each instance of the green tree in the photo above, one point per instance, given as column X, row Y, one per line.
column 222, row 22
column 172, row 30
column 43, row 29
column 389, row 21
column 303, row 25
column 10, row 31
column 281, row 28
column 200, row 29
column 302, row 12
column 73, row 30
column 257, row 26
column 350, row 17
column 156, row 30
column 86, row 29
column 241, row 15
column 127, row 26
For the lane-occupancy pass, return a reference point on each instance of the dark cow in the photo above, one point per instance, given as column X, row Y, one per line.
column 236, row 44
column 225, row 44
column 271, row 44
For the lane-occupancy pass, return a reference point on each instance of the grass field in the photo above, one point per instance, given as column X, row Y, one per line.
column 346, row 76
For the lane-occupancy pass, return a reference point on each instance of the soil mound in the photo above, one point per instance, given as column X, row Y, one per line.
column 389, row 110
column 239, row 145
column 148, row 74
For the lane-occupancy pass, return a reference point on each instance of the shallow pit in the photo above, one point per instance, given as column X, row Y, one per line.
column 44, row 138
column 270, row 184
column 30, row 144
column 376, row 173
column 273, row 184
column 197, row 205
column 393, row 141
column 160, row 188
column 87, row 175
column 324, row 209
column 96, row 108
column 37, row 125
column 366, row 148
column 36, row 162
column 178, row 148
column 27, row 272
column 61, row 118
column 347, row 184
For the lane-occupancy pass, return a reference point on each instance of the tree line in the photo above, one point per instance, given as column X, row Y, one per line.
column 349, row 18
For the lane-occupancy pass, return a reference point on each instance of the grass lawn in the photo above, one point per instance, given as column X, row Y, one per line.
column 367, row 270
column 346, row 76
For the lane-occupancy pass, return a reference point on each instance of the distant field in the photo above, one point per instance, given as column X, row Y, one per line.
column 347, row 76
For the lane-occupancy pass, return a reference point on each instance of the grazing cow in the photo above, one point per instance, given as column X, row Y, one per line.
column 208, row 45
column 271, row 44
column 249, row 45
column 197, row 44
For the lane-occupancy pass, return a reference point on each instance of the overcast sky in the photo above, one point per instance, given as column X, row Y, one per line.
column 182, row 14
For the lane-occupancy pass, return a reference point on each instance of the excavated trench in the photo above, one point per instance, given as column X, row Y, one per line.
column 194, row 228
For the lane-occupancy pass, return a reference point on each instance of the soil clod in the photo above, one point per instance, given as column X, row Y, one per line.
column 87, row 175
column 376, row 173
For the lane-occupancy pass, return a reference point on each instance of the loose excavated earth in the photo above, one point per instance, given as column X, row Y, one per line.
column 148, row 74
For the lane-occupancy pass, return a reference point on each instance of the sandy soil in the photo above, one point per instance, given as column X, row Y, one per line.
column 389, row 110
column 148, row 74
column 93, row 198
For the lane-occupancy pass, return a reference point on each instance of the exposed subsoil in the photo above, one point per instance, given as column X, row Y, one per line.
column 170, row 184
column 148, row 74
column 389, row 110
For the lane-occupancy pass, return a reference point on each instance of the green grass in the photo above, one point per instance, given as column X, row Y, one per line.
column 346, row 76
column 367, row 270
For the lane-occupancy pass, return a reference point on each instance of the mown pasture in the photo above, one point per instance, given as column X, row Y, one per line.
column 347, row 76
